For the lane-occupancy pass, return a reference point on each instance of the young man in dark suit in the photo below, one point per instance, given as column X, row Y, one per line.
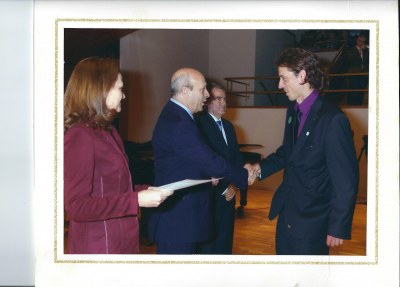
column 183, row 223
column 220, row 134
column 317, row 197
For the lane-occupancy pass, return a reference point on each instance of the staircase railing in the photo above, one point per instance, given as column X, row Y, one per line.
column 340, row 93
column 336, row 62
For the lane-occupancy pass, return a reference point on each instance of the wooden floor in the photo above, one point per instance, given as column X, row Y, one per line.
column 255, row 234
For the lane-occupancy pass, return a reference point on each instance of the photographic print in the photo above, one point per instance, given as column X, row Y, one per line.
column 239, row 52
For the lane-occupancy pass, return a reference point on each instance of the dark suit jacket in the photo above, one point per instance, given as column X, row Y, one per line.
column 215, row 139
column 224, row 211
column 353, row 61
column 320, row 182
column 180, row 153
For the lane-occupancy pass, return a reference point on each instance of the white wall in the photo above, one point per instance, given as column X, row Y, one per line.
column 16, row 153
column 263, row 126
column 148, row 60
column 232, row 54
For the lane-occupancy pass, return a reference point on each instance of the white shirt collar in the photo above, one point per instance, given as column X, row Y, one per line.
column 214, row 117
column 183, row 106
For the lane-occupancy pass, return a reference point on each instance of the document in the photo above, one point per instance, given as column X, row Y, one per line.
column 185, row 183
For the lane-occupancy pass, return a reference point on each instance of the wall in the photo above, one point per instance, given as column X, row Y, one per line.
column 265, row 126
column 148, row 59
column 359, row 122
column 269, row 44
column 232, row 54
column 262, row 126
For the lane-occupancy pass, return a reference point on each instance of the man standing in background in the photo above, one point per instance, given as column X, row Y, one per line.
column 357, row 61
column 220, row 134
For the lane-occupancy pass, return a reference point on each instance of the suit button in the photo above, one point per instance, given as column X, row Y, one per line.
column 289, row 226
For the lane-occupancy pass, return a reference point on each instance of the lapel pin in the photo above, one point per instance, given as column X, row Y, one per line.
column 307, row 133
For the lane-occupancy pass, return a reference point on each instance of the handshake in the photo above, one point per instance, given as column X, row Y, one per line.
column 254, row 171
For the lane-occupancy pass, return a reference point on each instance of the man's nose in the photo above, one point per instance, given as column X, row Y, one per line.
column 280, row 84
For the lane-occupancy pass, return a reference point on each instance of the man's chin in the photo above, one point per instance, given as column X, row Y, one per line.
column 290, row 99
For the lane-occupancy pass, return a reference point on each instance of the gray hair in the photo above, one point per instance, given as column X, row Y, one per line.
column 180, row 81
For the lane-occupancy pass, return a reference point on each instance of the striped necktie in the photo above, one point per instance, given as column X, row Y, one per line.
column 219, row 124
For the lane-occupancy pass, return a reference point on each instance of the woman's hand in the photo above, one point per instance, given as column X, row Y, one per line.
column 153, row 196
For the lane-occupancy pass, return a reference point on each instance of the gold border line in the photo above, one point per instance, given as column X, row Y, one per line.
column 59, row 20
column 209, row 20
column 56, row 145
column 377, row 144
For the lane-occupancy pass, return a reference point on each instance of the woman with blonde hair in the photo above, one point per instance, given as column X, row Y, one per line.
column 100, row 201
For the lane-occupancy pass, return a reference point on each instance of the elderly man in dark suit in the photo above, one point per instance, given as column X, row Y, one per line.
column 220, row 134
column 316, row 199
column 183, row 223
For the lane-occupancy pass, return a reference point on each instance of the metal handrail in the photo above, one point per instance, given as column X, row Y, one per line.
column 338, row 55
column 246, row 92
column 282, row 92
column 235, row 79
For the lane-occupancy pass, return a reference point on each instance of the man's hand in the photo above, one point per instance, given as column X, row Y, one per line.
column 254, row 171
column 230, row 192
column 214, row 181
column 333, row 241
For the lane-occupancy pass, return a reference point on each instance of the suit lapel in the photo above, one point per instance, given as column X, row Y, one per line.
column 112, row 138
column 176, row 109
column 229, row 133
column 289, row 128
column 309, row 125
column 215, row 129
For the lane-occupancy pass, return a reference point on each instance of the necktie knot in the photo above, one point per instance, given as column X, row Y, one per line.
column 219, row 124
